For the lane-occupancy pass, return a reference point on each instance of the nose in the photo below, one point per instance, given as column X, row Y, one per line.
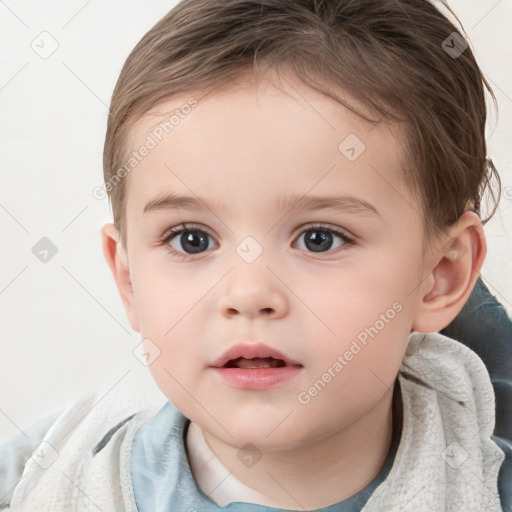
column 253, row 291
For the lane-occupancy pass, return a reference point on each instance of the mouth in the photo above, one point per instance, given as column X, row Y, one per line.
column 255, row 362
column 255, row 367
column 254, row 356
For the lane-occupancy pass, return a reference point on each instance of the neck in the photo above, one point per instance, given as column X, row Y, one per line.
column 321, row 473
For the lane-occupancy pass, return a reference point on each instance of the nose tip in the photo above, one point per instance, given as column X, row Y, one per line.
column 253, row 289
column 262, row 298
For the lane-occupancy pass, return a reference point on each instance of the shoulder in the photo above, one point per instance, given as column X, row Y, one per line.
column 78, row 434
column 96, row 415
column 446, row 366
column 443, row 360
column 485, row 326
column 451, row 375
column 15, row 453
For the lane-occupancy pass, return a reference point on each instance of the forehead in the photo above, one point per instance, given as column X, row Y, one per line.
column 242, row 143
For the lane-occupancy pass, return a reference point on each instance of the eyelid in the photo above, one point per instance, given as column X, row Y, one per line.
column 328, row 227
column 185, row 226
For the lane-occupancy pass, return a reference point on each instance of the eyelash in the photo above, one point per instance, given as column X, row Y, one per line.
column 170, row 234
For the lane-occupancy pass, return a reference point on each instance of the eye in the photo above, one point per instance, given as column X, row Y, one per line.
column 321, row 238
column 183, row 240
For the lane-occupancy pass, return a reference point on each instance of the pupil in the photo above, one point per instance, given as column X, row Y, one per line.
column 318, row 241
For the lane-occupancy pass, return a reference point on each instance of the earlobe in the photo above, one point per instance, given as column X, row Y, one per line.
column 459, row 257
column 117, row 260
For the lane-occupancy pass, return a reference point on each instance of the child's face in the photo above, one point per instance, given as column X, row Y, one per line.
column 239, row 152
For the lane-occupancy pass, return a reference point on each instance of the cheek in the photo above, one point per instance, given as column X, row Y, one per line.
column 165, row 298
column 171, row 308
column 356, row 371
column 181, row 360
column 344, row 301
column 364, row 314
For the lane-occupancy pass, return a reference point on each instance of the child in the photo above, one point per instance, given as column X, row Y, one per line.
column 296, row 189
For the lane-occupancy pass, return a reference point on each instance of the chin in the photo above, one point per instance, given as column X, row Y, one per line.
column 262, row 437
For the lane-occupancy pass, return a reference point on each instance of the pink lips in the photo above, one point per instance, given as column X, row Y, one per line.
column 255, row 378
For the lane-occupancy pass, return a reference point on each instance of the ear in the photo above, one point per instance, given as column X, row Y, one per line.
column 458, row 259
column 117, row 259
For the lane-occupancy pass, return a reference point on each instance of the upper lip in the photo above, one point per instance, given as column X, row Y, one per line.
column 249, row 351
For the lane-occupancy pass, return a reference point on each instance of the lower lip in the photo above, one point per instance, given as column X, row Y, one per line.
column 257, row 378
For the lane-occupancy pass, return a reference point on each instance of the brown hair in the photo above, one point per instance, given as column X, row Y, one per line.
column 389, row 54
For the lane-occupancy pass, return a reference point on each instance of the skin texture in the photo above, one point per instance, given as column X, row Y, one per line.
column 238, row 150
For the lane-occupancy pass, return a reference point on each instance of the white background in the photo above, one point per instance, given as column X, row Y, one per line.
column 63, row 329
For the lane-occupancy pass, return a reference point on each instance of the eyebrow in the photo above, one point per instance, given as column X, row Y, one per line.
column 285, row 202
